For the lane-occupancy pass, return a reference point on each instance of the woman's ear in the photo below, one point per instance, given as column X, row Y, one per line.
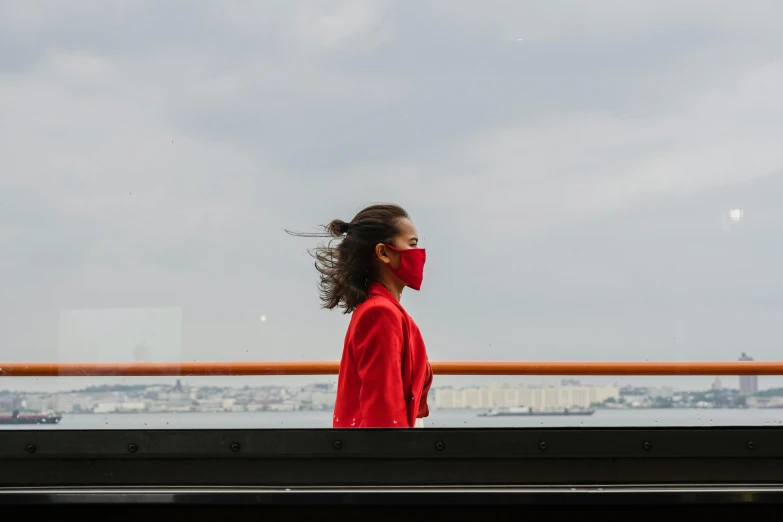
column 382, row 253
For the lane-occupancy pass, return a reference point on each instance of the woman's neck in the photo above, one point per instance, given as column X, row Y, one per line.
column 392, row 286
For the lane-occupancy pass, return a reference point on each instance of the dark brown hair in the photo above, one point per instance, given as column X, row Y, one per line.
column 345, row 268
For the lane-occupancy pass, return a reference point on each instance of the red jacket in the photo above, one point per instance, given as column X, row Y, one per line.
column 384, row 372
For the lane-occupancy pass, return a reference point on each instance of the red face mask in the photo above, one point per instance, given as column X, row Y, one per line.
column 411, row 269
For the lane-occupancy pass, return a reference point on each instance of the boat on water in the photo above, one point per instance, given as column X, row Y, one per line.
column 30, row 418
column 524, row 411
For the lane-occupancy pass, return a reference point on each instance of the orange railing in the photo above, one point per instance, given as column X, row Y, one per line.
column 81, row 369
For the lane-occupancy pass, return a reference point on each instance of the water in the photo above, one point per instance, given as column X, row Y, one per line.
column 438, row 419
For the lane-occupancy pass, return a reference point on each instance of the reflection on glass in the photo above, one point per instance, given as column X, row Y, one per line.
column 120, row 335
column 597, row 182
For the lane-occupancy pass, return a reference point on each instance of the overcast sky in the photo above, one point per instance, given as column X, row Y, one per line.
column 571, row 167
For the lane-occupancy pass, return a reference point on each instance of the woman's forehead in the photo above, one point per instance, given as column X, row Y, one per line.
column 407, row 228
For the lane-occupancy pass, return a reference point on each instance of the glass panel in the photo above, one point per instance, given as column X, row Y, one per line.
column 594, row 181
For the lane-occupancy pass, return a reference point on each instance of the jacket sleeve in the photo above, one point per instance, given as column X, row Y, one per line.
column 378, row 345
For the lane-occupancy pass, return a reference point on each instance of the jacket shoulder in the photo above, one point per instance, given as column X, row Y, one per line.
column 378, row 306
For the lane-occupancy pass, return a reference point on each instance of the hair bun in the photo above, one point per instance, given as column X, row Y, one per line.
column 338, row 228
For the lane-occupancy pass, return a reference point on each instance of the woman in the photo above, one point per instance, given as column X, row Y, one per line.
column 384, row 372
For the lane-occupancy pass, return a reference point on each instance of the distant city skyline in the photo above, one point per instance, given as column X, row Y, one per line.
column 567, row 395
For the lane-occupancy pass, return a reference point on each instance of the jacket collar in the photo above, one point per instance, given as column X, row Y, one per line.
column 376, row 288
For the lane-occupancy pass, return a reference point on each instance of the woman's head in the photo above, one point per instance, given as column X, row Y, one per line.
column 362, row 254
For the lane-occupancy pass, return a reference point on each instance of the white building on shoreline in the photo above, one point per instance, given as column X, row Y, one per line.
column 569, row 395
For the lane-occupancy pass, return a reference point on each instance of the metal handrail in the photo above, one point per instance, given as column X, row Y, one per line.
column 142, row 369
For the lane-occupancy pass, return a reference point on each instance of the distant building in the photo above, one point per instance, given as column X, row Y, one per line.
column 765, row 402
column 749, row 384
column 658, row 392
column 717, row 384
column 60, row 402
column 532, row 397
column 317, row 396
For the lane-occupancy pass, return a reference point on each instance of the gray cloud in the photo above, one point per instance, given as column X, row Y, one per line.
column 570, row 167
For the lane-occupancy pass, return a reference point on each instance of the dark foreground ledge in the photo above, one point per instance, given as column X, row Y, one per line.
column 391, row 458
column 443, row 474
column 381, row 504
column 411, row 497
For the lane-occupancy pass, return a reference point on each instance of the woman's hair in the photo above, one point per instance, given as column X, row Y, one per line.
column 346, row 267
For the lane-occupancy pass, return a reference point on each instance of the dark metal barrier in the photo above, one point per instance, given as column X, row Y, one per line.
column 545, row 471
column 425, row 457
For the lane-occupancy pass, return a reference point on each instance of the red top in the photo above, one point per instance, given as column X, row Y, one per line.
column 384, row 372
